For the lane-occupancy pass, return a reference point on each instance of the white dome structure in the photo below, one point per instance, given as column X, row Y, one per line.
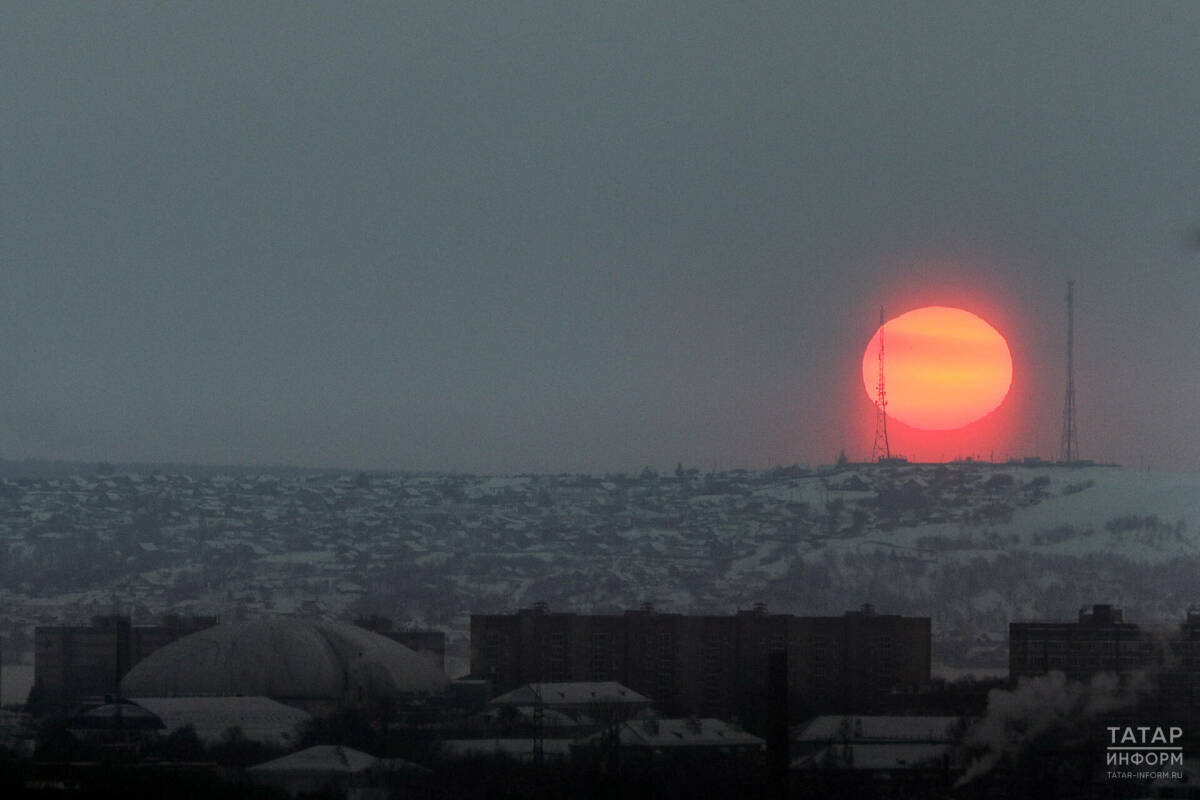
column 302, row 662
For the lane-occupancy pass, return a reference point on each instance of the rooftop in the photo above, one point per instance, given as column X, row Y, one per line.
column 684, row 732
column 879, row 729
column 574, row 693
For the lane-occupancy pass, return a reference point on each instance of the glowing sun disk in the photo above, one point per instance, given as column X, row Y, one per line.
column 945, row 367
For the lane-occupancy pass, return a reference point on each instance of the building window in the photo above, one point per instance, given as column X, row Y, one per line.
column 492, row 648
column 665, row 668
column 715, row 647
column 558, row 658
column 602, row 657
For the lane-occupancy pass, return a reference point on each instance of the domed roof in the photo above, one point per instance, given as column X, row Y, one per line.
column 284, row 657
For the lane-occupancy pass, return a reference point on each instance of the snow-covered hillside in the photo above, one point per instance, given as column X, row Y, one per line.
column 972, row 545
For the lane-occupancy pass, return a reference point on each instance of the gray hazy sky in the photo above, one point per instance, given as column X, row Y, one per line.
column 503, row 237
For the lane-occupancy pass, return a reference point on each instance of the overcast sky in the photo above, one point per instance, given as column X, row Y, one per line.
column 510, row 237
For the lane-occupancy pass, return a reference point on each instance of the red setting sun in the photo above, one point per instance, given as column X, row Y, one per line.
column 944, row 368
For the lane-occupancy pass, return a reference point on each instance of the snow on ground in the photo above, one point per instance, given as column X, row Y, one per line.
column 1117, row 492
column 300, row 557
column 1144, row 517
column 956, row 673
column 970, row 545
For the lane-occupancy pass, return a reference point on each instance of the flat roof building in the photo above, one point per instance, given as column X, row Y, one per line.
column 1101, row 641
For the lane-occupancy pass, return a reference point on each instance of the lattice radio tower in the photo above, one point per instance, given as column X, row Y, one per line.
column 880, row 450
column 1070, row 438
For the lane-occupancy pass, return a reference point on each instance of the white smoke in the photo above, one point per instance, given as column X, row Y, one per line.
column 1037, row 705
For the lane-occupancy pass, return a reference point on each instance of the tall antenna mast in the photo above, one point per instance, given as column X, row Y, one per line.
column 880, row 450
column 1070, row 438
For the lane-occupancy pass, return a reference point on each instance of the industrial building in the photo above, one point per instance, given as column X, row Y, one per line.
column 711, row 666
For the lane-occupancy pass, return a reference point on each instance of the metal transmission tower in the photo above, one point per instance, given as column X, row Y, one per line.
column 880, row 450
column 1070, row 438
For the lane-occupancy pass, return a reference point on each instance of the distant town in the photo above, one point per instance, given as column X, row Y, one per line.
column 972, row 545
column 853, row 630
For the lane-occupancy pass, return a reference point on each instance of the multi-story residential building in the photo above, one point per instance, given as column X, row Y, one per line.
column 709, row 665
column 72, row 662
column 1159, row 662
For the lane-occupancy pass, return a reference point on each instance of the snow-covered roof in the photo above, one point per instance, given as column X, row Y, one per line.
column 879, row 729
column 322, row 759
column 878, row 756
column 400, row 765
column 284, row 657
column 684, row 732
column 574, row 693
column 551, row 717
column 261, row 719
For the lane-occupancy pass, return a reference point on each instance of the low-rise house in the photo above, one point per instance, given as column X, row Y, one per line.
column 650, row 738
column 851, row 754
column 571, row 709
column 321, row 768
column 518, row 749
